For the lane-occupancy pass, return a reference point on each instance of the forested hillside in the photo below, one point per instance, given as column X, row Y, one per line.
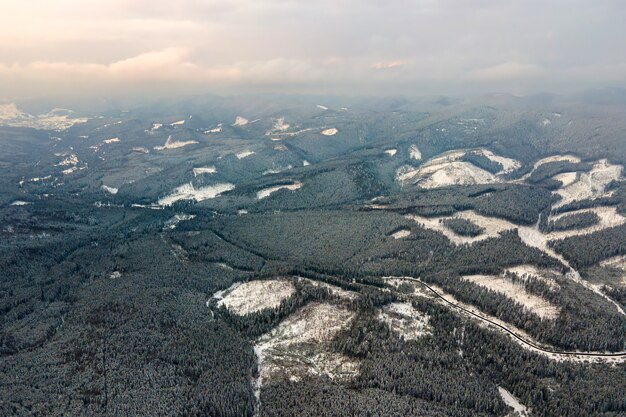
column 355, row 257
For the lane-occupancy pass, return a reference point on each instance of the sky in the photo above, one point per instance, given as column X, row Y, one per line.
column 414, row 47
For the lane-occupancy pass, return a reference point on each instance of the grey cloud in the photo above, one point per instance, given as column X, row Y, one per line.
column 375, row 46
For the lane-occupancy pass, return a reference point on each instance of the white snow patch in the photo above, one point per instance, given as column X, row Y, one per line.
column 276, row 170
column 546, row 122
column 177, row 218
column 279, row 126
column 319, row 106
column 217, row 129
column 609, row 217
column 204, row 170
column 305, row 163
column 257, row 295
column 391, row 152
column 590, row 185
column 55, row 119
column 445, row 174
column 557, row 158
column 178, row 123
column 244, row 154
column 112, row 140
column 513, row 402
column 566, row 178
column 405, row 320
column 266, row 192
column 108, row 189
column 400, row 234
column 329, row 132
column 169, row 144
column 541, row 274
column 516, row 292
column 300, row 346
column 240, row 121
column 68, row 161
column 508, row 164
column 38, row 179
column 140, row 149
column 20, row 203
column 189, row 192
column 415, row 153
column 447, row 169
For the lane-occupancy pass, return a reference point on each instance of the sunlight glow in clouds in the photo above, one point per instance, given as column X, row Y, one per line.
column 426, row 46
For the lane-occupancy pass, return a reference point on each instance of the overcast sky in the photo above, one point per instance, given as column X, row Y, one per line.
column 420, row 47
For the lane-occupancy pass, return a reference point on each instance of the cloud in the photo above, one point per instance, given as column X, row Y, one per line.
column 371, row 46
column 505, row 71
column 387, row 65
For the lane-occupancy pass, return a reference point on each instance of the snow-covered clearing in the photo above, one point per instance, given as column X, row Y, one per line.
column 38, row 179
column 178, row 123
column 277, row 170
column 156, row 126
column 546, row 121
column 305, row 163
column 170, row 144
column 257, row 295
column 405, row 320
column 71, row 160
column 112, row 140
column 55, row 119
column 391, row 152
column 554, row 158
column 20, row 203
column 280, row 147
column 108, row 189
column 517, row 293
column 329, row 132
column 566, row 178
column 72, row 169
column 609, row 217
column 334, row 290
column 484, row 318
column 177, row 218
column 217, row 129
column 400, row 234
column 240, row 121
column 448, row 169
column 557, row 158
column 319, row 106
column 244, row 154
column 493, row 226
column 300, row 346
column 590, row 185
column 513, row 402
column 415, row 153
column 279, row 126
column 204, row 170
column 545, row 275
column 615, row 262
column 508, row 164
column 189, row 192
column 266, row 192
column 531, row 236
